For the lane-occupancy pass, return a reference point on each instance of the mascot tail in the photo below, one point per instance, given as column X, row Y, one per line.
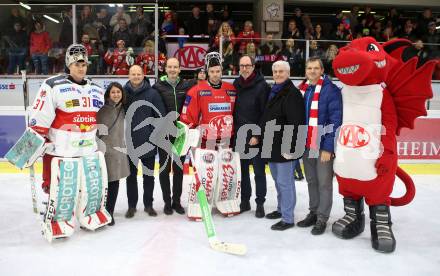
column 410, row 189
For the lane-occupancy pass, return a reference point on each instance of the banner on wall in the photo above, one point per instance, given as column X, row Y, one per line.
column 191, row 56
column 422, row 142
column 11, row 128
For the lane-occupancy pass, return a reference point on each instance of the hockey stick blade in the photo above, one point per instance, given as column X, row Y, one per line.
column 230, row 248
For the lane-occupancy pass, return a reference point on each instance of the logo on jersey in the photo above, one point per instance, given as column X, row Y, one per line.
column 97, row 103
column 208, row 157
column 219, row 107
column 221, row 123
column 187, row 100
column 43, row 94
column 205, row 93
column 84, row 119
column 72, row 103
column 33, row 122
column 227, row 156
column 231, row 93
column 67, row 89
column 353, row 136
column 82, row 143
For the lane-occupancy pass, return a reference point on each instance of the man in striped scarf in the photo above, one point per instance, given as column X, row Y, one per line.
column 323, row 105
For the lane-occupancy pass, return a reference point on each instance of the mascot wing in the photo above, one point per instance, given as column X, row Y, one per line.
column 409, row 87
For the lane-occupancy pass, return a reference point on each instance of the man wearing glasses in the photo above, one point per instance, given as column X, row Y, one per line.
column 249, row 107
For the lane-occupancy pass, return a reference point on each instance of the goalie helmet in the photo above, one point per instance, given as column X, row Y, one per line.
column 213, row 59
column 76, row 53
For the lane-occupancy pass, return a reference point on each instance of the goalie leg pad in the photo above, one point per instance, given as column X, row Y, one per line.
column 93, row 193
column 227, row 193
column 205, row 165
column 59, row 221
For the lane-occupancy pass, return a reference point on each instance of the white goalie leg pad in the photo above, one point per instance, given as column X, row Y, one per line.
column 59, row 221
column 93, row 192
column 205, row 165
column 227, row 193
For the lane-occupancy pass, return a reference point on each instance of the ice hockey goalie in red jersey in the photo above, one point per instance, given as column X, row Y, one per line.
column 209, row 105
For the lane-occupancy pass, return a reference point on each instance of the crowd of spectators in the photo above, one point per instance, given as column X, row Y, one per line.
column 118, row 38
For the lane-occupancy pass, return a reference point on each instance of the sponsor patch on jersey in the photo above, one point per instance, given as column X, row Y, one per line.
column 97, row 103
column 72, row 103
column 187, row 100
column 94, row 91
column 43, row 94
column 205, row 93
column 67, row 89
column 82, row 143
column 231, row 93
column 33, row 122
column 219, row 107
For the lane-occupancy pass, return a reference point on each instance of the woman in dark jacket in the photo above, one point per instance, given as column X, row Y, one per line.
column 144, row 104
column 112, row 115
column 283, row 115
column 173, row 90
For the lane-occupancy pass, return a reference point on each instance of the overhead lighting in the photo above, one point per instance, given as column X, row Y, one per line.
column 111, row 5
column 120, row 5
column 438, row 27
column 25, row 6
column 51, row 19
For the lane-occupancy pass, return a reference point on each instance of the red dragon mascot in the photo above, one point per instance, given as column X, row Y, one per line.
column 381, row 94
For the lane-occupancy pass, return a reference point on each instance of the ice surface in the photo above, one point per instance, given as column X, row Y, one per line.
column 172, row 245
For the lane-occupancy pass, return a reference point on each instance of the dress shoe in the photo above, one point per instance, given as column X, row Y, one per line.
column 310, row 220
column 319, row 227
column 281, row 226
column 130, row 212
column 178, row 208
column 259, row 213
column 151, row 212
column 274, row 215
column 244, row 206
column 167, row 209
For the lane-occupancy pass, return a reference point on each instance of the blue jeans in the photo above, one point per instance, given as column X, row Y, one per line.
column 283, row 175
column 260, row 179
column 40, row 63
column 16, row 57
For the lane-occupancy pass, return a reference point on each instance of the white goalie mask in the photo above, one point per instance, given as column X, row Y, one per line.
column 76, row 53
column 213, row 59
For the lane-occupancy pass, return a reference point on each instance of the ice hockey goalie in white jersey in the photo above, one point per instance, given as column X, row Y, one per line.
column 64, row 112
column 74, row 173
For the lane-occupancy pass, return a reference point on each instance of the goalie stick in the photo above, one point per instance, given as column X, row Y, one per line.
column 215, row 243
column 32, row 167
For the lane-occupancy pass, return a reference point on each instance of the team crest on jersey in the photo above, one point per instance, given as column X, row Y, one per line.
column 221, row 123
column 227, row 156
column 33, row 122
column 43, row 94
column 219, row 107
column 205, row 93
column 208, row 157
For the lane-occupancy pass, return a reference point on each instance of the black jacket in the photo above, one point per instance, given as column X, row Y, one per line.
column 141, row 136
column 173, row 97
column 286, row 108
column 250, row 102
